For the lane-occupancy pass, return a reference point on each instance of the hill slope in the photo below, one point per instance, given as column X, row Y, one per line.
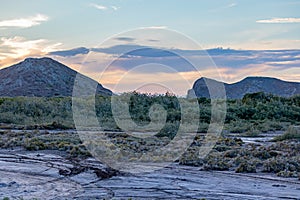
column 248, row 85
column 41, row 77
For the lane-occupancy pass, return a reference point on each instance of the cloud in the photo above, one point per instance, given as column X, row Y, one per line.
column 70, row 52
column 126, row 39
column 16, row 48
column 279, row 20
column 132, row 55
column 126, row 57
column 103, row 8
column 157, row 27
column 152, row 40
column 24, row 22
column 115, row 8
column 99, row 7
column 233, row 65
column 19, row 46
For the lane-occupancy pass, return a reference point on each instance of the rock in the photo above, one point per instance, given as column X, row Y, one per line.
column 38, row 177
column 3, row 185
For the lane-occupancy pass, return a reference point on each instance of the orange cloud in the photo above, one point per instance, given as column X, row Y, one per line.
column 15, row 49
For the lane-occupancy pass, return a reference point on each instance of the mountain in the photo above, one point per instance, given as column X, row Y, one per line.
column 42, row 77
column 248, row 85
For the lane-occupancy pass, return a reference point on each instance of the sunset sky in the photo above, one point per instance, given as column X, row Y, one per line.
column 46, row 28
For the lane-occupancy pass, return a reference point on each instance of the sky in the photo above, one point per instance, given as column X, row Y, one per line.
column 39, row 28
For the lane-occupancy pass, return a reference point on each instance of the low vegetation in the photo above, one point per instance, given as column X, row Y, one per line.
column 282, row 158
column 254, row 114
column 293, row 132
column 68, row 143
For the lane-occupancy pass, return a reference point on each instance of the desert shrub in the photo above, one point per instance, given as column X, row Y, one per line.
column 252, row 133
column 287, row 174
column 261, row 153
column 203, row 127
column 247, row 167
column 215, row 161
column 169, row 130
column 274, row 165
column 62, row 146
column 232, row 153
column 221, row 148
column 34, row 144
column 254, row 113
column 293, row 132
column 191, row 159
column 229, row 141
column 239, row 126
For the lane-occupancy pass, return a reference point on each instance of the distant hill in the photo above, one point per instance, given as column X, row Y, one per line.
column 41, row 77
column 248, row 85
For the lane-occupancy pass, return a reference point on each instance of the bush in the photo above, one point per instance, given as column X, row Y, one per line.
column 215, row 161
column 35, row 144
column 246, row 167
column 169, row 130
column 274, row 165
column 293, row 132
column 287, row 174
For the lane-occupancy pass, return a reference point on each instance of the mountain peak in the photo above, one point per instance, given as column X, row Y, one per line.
column 206, row 79
column 31, row 59
column 43, row 77
column 259, row 78
column 40, row 60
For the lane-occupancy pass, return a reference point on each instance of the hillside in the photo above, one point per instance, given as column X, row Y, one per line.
column 248, row 85
column 41, row 77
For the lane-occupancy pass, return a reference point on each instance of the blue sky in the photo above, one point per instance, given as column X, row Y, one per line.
column 38, row 27
column 211, row 23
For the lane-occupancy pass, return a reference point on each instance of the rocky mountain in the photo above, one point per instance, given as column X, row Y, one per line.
column 248, row 85
column 42, row 77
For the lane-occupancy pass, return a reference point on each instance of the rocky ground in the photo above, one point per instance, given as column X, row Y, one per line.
column 48, row 175
column 54, row 165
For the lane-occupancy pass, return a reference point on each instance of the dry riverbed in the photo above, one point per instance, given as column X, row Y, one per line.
column 55, row 165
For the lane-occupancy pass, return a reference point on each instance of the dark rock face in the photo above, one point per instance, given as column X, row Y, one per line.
column 42, row 77
column 248, row 85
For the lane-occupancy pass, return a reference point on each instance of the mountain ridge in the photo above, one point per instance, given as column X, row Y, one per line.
column 42, row 77
column 251, row 84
